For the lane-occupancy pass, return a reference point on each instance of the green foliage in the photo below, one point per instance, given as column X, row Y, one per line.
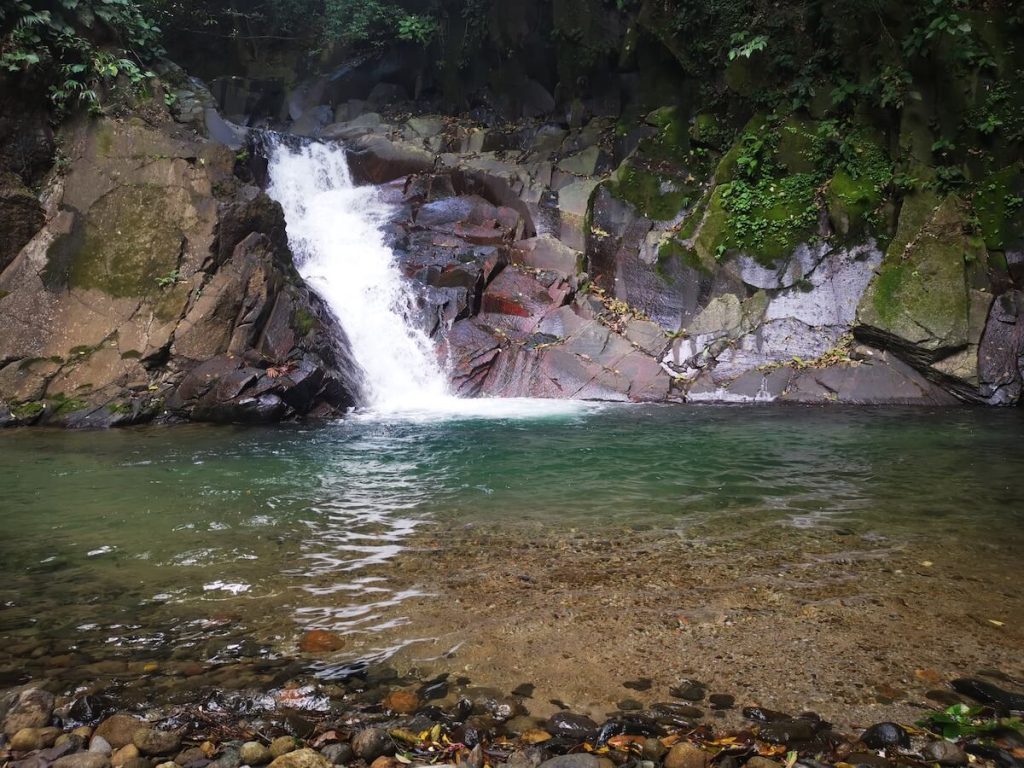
column 78, row 48
column 961, row 721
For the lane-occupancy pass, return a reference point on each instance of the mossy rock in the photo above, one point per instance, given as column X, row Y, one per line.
column 707, row 130
column 713, row 240
column 795, row 151
column 132, row 238
column 999, row 207
column 920, row 294
column 658, row 196
column 851, row 202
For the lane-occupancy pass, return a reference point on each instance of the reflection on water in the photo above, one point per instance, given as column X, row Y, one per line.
column 207, row 544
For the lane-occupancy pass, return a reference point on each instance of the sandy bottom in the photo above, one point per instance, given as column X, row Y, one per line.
column 852, row 626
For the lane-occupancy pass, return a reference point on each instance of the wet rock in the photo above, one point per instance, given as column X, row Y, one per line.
column 402, row 702
column 101, row 745
column 987, row 693
column 321, row 641
column 301, row 758
column 686, row 755
column 722, row 701
column 531, row 757
column 193, row 757
column 944, row 753
column 690, row 690
column 571, row 725
column 866, row 760
column 435, row 689
column 89, row 709
column 886, row 736
column 571, row 761
column 229, row 758
column 629, row 705
column 32, row 709
column 786, row 731
column 371, row 743
column 150, row 741
column 123, row 755
column 254, row 753
column 118, row 730
column 653, row 749
column 83, row 760
column 28, row 739
column 338, row 754
column 762, row 762
column 763, row 715
column 283, row 745
column 138, row 762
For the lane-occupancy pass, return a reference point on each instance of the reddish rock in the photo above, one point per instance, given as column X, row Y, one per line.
column 402, row 702
column 321, row 641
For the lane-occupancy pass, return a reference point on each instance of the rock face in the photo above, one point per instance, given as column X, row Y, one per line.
column 161, row 286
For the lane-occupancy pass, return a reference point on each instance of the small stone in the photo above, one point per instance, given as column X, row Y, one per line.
column 762, row 762
column 123, row 755
column 686, row 755
column 338, row 754
column 371, row 743
column 629, row 705
column 229, row 758
column 886, row 736
column 254, row 753
column 690, row 690
column 28, row 739
column 534, row 736
column 83, row 760
column 385, row 762
column 153, row 742
column 301, row 758
column 118, row 730
column 944, row 753
column 100, row 745
column 168, row 764
column 722, row 701
column 193, row 756
column 787, row 731
column 84, row 732
column 402, row 702
column 571, row 725
column 653, row 749
column 283, row 745
column 33, row 709
column 137, row 762
column 321, row 641
column 581, row 760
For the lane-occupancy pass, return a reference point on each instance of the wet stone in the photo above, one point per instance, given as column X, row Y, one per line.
column 686, row 755
column 690, row 690
column 137, row 762
column 118, row 730
column 83, row 760
column 944, row 753
column 28, row 739
column 866, row 760
column 629, row 705
column 571, row 761
column 886, row 736
column 371, row 743
column 150, row 741
column 337, row 754
column 786, row 731
column 33, row 709
column 192, row 758
column 571, row 725
column 100, row 745
column 762, row 762
column 229, row 758
column 283, row 745
column 254, row 753
column 722, row 701
column 301, row 758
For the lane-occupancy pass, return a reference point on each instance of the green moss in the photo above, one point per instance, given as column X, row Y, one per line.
column 303, row 322
column 131, row 238
column 131, row 354
column 851, row 202
column 999, row 207
column 27, row 411
column 770, row 217
column 708, row 130
column 104, row 139
column 4, row 295
column 796, row 146
column 62, row 404
column 655, row 195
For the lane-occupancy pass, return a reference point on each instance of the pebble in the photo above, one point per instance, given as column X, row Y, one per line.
column 119, row 729
column 283, row 745
column 194, row 756
column 629, row 705
column 944, row 753
column 685, row 755
column 123, row 755
column 762, row 762
column 690, row 690
column 153, row 742
column 33, row 709
column 886, row 736
column 28, row 739
column 568, row 724
column 301, row 758
column 785, row 731
column 101, row 745
column 722, row 701
column 254, row 753
column 137, row 762
column 338, row 754
column 581, row 760
column 83, row 760
column 371, row 743
column 229, row 758
column 402, row 702
column 321, row 641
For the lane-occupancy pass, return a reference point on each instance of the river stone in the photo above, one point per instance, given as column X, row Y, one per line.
column 153, row 742
column 28, row 739
column 402, row 702
column 123, row 755
column 885, row 736
column 762, row 762
column 137, row 762
column 301, row 758
column 33, row 709
column 690, row 690
column 83, row 760
column 571, row 725
column 686, row 755
column 230, row 758
column 193, row 756
column 786, row 731
column 338, row 754
column 581, row 760
column 118, row 729
column 101, row 745
column 254, row 753
column 283, row 745
column 371, row 743
column 944, row 753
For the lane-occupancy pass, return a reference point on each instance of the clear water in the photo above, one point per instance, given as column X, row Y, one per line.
column 214, row 544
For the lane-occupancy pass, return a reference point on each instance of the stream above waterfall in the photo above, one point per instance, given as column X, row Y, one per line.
column 568, row 550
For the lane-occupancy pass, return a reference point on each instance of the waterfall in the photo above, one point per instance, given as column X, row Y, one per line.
column 335, row 231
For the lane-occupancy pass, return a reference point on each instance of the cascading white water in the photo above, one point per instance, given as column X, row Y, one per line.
column 334, row 229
